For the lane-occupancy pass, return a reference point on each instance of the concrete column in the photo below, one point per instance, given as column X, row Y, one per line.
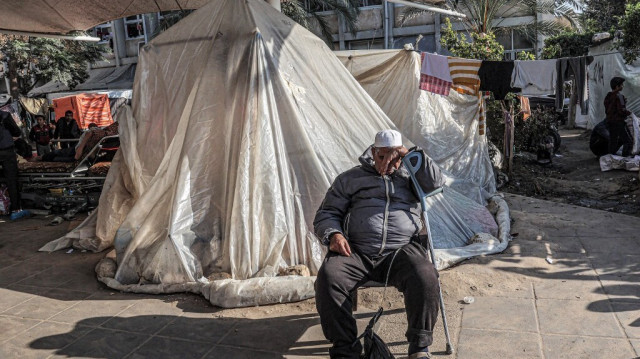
column 275, row 3
column 151, row 23
column 341, row 31
column 119, row 38
column 437, row 33
column 391, row 23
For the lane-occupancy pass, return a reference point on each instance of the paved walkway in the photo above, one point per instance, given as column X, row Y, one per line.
column 584, row 304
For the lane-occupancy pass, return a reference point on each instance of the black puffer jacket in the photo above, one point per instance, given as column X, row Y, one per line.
column 376, row 214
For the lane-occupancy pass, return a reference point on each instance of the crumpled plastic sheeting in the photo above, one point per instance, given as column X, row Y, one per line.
column 446, row 127
column 615, row 162
column 481, row 243
column 635, row 124
column 455, row 218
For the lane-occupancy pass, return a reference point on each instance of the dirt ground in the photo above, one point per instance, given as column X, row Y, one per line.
column 575, row 178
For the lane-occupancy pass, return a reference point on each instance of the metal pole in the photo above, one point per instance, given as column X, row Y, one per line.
column 429, row 8
column 52, row 36
column 386, row 24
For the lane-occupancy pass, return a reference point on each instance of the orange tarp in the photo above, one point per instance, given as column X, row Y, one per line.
column 86, row 108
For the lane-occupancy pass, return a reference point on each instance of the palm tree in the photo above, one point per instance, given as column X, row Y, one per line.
column 302, row 11
column 485, row 16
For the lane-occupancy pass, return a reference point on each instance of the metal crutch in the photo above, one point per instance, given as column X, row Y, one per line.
column 412, row 172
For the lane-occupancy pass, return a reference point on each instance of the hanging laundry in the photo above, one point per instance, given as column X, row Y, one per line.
column 525, row 107
column 435, row 65
column 495, row 76
column 482, row 123
column 464, row 75
column 434, row 85
column 573, row 68
column 535, row 78
column 433, row 78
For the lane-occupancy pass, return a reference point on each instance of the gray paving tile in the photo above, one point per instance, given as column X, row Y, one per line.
column 50, row 278
column 636, row 346
column 629, row 316
column 10, row 326
column 22, row 271
column 571, row 347
column 98, row 343
column 481, row 344
column 577, row 318
column 144, row 324
column 52, row 302
column 240, row 353
column 586, row 289
column 260, row 334
column 616, row 264
column 41, row 341
column 84, row 312
column 500, row 313
column 611, row 245
column 10, row 298
column 621, row 288
column 312, row 343
column 146, row 316
column 170, row 348
column 197, row 329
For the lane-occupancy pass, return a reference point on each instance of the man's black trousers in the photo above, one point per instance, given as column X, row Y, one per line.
column 9, row 163
column 619, row 135
column 412, row 273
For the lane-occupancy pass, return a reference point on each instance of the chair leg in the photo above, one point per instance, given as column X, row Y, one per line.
column 354, row 299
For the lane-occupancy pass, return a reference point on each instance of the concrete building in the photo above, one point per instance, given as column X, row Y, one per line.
column 379, row 27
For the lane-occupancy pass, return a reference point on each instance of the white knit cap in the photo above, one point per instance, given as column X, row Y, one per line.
column 388, row 138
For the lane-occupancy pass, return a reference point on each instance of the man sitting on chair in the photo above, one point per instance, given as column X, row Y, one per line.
column 369, row 212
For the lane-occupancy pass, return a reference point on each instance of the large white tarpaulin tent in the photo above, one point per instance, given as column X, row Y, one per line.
column 240, row 121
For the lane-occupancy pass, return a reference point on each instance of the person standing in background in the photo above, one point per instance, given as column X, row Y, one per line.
column 67, row 128
column 41, row 134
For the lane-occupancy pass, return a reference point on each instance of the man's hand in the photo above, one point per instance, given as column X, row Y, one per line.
column 340, row 245
column 387, row 160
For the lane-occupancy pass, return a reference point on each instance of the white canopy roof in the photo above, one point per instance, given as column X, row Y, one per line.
column 64, row 16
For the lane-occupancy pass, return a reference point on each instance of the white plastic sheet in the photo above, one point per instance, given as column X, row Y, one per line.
column 608, row 63
column 445, row 126
column 615, row 162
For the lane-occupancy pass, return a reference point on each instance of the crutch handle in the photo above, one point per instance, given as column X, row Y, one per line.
column 410, row 166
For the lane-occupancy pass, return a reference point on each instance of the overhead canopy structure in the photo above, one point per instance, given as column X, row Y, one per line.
column 64, row 16
column 109, row 78
column 240, row 121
